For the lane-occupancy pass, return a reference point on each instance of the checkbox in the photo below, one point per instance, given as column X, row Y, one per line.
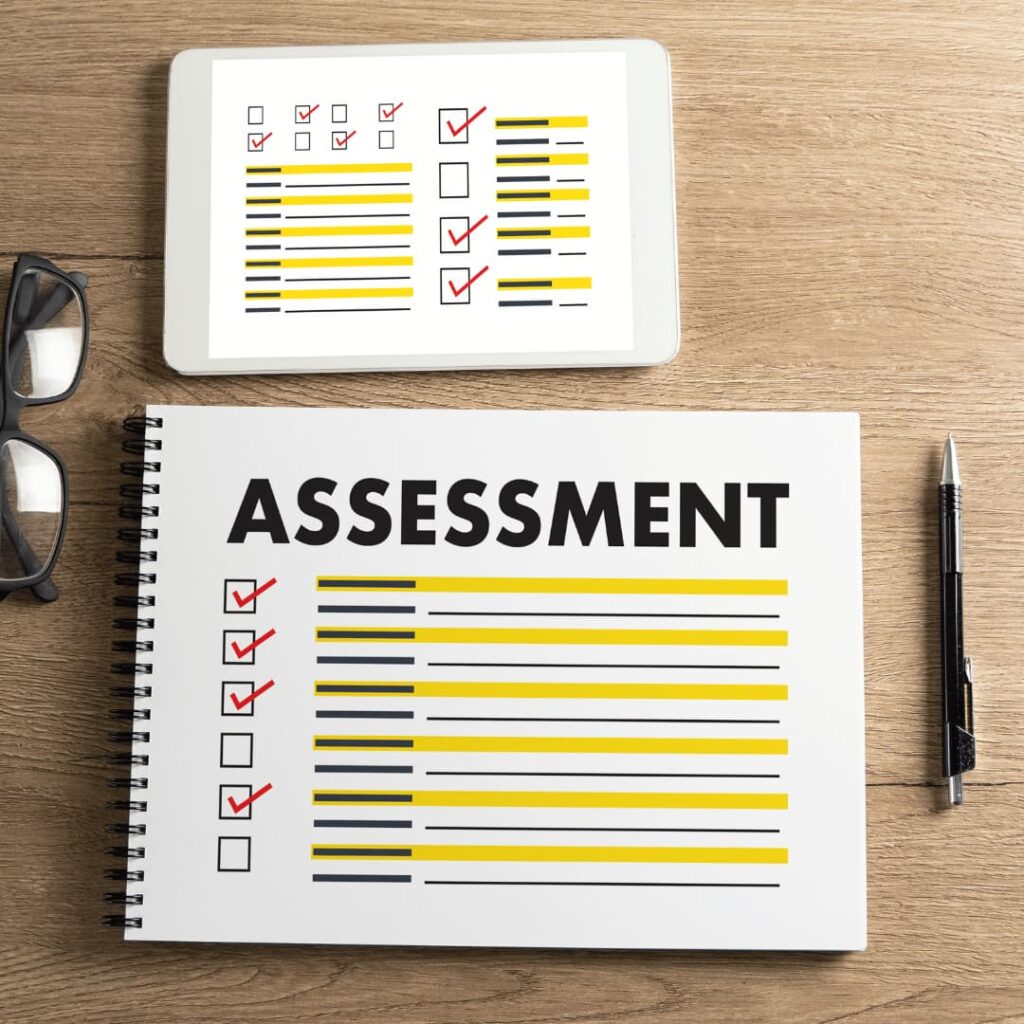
column 453, row 181
column 244, row 639
column 255, row 115
column 339, row 113
column 302, row 113
column 339, row 140
column 452, row 136
column 239, row 794
column 236, row 749
column 243, row 588
column 256, row 140
column 454, row 228
column 301, row 141
column 386, row 112
column 234, row 853
column 386, row 140
column 454, row 280
column 241, row 691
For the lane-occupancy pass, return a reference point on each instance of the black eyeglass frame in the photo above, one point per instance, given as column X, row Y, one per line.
column 12, row 403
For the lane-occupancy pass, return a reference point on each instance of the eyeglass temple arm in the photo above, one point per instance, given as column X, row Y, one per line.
column 45, row 590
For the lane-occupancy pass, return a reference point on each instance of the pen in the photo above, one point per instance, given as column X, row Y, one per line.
column 957, row 673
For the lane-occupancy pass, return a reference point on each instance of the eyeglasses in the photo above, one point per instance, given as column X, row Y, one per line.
column 46, row 336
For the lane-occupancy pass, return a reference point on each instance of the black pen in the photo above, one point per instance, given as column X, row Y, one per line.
column 957, row 674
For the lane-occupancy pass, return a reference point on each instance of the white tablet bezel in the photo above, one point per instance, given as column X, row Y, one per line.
column 652, row 214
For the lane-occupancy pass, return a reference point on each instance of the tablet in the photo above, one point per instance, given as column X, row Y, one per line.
column 420, row 207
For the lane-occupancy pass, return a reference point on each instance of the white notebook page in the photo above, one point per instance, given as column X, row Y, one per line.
column 505, row 679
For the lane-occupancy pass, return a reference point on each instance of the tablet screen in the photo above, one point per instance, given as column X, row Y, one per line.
column 421, row 204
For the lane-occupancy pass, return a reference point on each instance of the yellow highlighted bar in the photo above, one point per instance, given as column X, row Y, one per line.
column 553, row 691
column 549, row 798
column 541, row 159
column 559, row 854
column 334, row 293
column 328, row 168
column 528, row 284
column 527, row 231
column 350, row 199
column 531, row 196
column 332, row 229
column 500, row 635
column 554, row 744
column 540, row 122
column 335, row 261
column 554, row 585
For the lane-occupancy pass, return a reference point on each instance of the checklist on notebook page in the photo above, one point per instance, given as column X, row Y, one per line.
column 487, row 193
column 504, row 678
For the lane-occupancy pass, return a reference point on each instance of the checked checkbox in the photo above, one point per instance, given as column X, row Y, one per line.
column 240, row 595
column 256, row 141
column 242, row 797
column 454, row 234
column 242, row 706
column 240, row 645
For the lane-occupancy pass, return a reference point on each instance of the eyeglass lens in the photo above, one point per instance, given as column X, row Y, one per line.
column 47, row 336
column 32, row 507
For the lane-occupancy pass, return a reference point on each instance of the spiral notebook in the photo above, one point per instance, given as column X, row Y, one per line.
column 571, row 679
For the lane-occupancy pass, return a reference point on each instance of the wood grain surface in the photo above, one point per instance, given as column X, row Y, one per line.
column 851, row 236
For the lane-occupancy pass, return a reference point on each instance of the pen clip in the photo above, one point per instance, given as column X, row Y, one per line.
column 967, row 684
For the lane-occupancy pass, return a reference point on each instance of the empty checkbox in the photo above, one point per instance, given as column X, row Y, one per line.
column 234, row 853
column 255, row 115
column 236, row 749
column 339, row 113
column 453, row 181
column 301, row 141
column 242, row 705
column 385, row 140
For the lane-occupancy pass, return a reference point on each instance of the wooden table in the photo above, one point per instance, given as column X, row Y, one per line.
column 850, row 237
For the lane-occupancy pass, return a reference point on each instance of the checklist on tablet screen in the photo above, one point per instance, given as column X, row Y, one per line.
column 421, row 204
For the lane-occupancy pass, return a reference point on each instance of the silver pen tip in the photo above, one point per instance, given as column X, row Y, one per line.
column 950, row 466
column 956, row 790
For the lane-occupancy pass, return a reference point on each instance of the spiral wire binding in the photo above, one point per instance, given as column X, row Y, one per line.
column 132, row 718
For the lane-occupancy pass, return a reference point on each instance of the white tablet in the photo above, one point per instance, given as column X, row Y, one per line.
column 420, row 207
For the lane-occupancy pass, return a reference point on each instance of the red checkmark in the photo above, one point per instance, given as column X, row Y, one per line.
column 258, row 143
column 309, row 113
column 463, row 127
column 240, row 805
column 458, row 291
column 341, row 142
column 462, row 238
column 388, row 115
column 245, row 701
column 249, row 598
column 241, row 652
